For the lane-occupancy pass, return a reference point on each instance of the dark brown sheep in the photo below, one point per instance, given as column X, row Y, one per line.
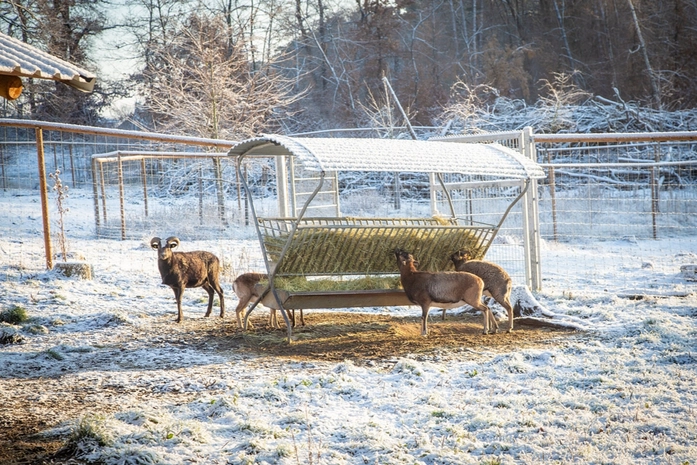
column 180, row 270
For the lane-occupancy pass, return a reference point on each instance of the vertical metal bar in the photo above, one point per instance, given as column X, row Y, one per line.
column 2, row 161
column 397, row 192
column 43, row 188
column 553, row 196
column 238, row 184
column 247, row 200
column 121, row 196
column 293, row 199
column 531, row 219
column 95, row 195
column 144, row 177
column 101, row 178
column 218, row 170
column 200, row 194
column 282, row 186
column 655, row 192
column 433, row 193
column 469, row 206
column 72, row 164
column 654, row 201
column 55, row 160
column 336, row 194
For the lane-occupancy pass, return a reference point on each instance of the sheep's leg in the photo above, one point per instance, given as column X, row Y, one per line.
column 238, row 311
column 424, row 319
column 178, row 293
column 217, row 288
column 490, row 323
column 493, row 324
column 487, row 315
column 506, row 303
column 443, row 316
column 292, row 317
column 207, row 287
column 273, row 319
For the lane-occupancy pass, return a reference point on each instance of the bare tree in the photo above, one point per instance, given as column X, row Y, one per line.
column 642, row 45
column 205, row 85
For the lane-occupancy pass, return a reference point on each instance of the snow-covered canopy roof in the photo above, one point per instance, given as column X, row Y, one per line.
column 20, row 59
column 352, row 154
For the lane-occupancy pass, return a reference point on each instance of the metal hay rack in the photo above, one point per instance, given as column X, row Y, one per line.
column 296, row 245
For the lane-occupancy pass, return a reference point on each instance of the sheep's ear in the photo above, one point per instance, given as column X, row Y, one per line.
column 172, row 242
column 155, row 243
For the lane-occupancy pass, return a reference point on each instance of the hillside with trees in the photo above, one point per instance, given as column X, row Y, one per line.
column 232, row 68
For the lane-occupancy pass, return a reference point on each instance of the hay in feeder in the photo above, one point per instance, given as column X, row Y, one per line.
column 302, row 284
column 337, row 250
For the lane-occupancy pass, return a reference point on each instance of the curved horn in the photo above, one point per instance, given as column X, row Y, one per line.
column 172, row 242
column 155, row 242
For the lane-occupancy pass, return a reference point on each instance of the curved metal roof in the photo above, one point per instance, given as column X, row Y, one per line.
column 352, row 154
column 20, row 59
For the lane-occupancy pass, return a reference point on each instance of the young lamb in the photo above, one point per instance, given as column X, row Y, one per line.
column 245, row 288
column 180, row 270
column 497, row 283
column 426, row 288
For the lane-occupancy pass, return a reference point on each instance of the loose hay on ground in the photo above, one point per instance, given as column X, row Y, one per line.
column 336, row 336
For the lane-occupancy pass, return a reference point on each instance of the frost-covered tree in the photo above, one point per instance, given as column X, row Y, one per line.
column 204, row 84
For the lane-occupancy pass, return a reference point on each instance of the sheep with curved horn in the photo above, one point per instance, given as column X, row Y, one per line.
column 180, row 270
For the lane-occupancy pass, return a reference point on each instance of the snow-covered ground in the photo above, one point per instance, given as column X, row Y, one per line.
column 621, row 392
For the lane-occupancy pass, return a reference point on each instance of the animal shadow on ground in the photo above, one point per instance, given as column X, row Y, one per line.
column 337, row 336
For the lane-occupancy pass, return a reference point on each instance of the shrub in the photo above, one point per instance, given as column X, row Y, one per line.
column 14, row 315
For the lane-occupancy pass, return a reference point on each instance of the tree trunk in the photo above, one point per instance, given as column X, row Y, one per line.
column 649, row 69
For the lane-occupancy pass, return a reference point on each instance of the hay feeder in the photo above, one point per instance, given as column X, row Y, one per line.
column 296, row 244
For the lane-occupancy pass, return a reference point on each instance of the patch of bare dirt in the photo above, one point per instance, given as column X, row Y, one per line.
column 363, row 337
column 29, row 406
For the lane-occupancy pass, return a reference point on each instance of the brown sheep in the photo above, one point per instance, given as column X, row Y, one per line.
column 245, row 288
column 497, row 283
column 426, row 288
column 180, row 270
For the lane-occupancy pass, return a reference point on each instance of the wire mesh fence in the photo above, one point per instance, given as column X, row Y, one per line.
column 597, row 193
column 628, row 191
column 606, row 192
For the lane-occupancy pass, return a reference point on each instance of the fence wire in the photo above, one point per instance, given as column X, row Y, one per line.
column 610, row 192
column 593, row 193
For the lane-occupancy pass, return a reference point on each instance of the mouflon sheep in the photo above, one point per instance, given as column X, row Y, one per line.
column 180, row 270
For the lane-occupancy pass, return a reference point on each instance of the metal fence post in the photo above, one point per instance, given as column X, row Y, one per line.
column 655, row 190
column 531, row 219
column 121, row 196
column 95, row 192
column 43, row 188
